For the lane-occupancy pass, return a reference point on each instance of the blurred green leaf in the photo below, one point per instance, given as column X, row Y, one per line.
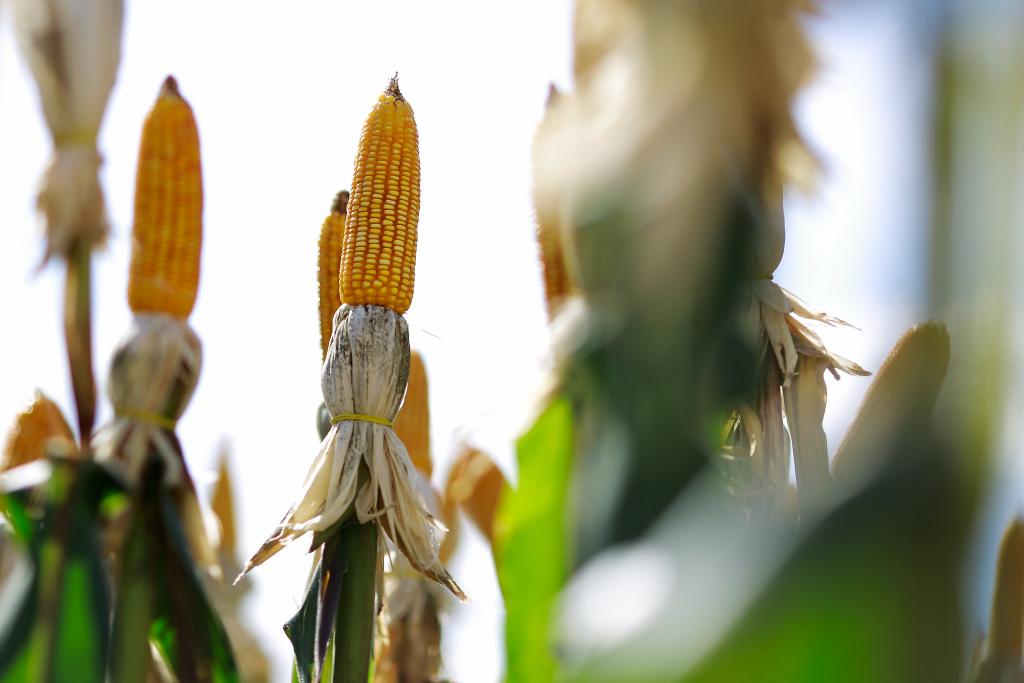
column 58, row 621
column 531, row 543
column 159, row 580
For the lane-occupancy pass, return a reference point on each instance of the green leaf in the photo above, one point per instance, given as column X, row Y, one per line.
column 185, row 628
column 531, row 543
column 161, row 597
column 58, row 623
column 310, row 628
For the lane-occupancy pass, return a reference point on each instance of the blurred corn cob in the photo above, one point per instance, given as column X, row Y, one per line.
column 72, row 48
column 252, row 660
column 412, row 424
column 168, row 233
column 475, row 485
column 379, row 249
column 332, row 234
column 38, row 430
column 897, row 405
column 155, row 368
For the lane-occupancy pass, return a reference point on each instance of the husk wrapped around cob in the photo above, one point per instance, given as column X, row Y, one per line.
column 365, row 374
column 72, row 48
column 156, row 366
column 363, row 470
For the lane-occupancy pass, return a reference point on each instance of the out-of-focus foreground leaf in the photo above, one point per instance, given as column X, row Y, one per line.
column 55, row 624
column 161, row 598
column 531, row 543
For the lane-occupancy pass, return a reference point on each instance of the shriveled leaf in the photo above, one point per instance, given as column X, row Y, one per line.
column 805, row 409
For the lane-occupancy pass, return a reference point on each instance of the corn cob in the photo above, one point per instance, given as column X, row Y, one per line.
column 168, row 230
column 33, row 429
column 476, row 484
column 412, row 424
column 379, row 249
column 332, row 233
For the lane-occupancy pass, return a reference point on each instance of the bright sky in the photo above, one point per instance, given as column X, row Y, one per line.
column 280, row 97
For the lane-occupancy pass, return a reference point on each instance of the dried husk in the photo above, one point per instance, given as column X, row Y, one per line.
column 365, row 373
column 153, row 373
column 411, row 650
column 72, row 48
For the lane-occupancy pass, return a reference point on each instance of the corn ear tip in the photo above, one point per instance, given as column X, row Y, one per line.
column 170, row 87
column 340, row 203
column 393, row 89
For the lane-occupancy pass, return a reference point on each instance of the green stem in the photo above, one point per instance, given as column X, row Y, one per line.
column 353, row 640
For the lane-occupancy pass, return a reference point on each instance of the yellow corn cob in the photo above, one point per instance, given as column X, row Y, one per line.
column 379, row 250
column 168, row 231
column 33, row 428
column 547, row 209
column 331, row 234
column 412, row 424
column 476, row 484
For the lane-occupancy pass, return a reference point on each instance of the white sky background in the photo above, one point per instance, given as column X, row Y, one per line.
column 280, row 97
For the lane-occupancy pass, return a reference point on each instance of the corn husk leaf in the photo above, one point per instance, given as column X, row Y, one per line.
column 365, row 373
column 805, row 401
column 72, row 48
column 411, row 651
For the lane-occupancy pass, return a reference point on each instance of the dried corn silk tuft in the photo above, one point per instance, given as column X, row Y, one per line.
column 363, row 381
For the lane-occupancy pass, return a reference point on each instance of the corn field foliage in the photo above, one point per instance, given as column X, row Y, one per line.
column 676, row 513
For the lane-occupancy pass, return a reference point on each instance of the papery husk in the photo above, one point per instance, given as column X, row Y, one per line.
column 153, row 374
column 365, row 373
column 410, row 652
column 805, row 400
column 774, row 313
column 72, row 48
